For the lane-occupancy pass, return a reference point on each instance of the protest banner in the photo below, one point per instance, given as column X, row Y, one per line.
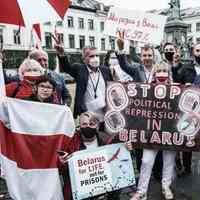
column 136, row 25
column 94, row 172
column 155, row 115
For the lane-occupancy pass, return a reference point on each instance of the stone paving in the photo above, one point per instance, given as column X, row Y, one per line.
column 185, row 188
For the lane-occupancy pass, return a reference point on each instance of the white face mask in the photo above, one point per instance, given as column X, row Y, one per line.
column 113, row 61
column 94, row 62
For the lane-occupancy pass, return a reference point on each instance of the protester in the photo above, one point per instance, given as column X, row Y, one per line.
column 62, row 92
column 88, row 137
column 112, row 62
column 161, row 75
column 141, row 73
column 192, row 72
column 91, row 80
column 29, row 71
column 44, row 91
column 182, row 74
column 196, row 62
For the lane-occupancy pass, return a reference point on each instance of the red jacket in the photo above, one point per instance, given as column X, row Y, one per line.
column 19, row 90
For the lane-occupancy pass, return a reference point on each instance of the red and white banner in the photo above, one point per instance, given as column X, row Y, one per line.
column 30, row 134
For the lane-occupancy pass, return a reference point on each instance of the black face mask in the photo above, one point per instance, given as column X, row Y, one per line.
column 197, row 59
column 169, row 56
column 88, row 132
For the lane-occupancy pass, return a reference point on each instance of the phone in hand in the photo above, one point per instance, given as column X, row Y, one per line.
column 61, row 153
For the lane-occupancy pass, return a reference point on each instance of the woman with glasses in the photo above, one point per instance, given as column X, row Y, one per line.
column 44, row 91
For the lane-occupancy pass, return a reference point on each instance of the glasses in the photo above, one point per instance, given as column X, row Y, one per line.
column 45, row 87
column 92, row 56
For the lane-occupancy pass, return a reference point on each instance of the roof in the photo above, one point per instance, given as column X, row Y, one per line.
column 87, row 5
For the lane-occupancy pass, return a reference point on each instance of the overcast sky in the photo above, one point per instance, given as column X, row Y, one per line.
column 149, row 4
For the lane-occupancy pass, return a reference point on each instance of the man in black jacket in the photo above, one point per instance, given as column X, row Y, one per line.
column 182, row 74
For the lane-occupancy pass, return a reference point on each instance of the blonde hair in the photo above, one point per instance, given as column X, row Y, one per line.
column 161, row 66
column 28, row 64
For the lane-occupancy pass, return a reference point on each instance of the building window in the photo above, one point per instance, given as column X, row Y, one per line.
column 189, row 28
column 17, row 38
column 91, row 24
column 59, row 23
column 197, row 40
column 103, row 44
column 92, row 41
column 81, row 23
column 48, row 40
column 102, row 26
column 198, row 27
column 60, row 37
column 112, row 42
column 71, row 41
column 47, row 23
column 1, row 36
column 81, row 41
column 70, row 22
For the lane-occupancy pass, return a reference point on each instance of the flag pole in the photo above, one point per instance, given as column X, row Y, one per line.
column 2, row 82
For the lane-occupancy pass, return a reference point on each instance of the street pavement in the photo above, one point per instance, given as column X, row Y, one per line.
column 185, row 188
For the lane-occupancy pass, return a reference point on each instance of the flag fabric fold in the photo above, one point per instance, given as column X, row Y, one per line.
column 36, row 37
column 30, row 134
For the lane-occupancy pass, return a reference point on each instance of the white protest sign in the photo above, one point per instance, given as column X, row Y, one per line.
column 136, row 25
column 100, row 170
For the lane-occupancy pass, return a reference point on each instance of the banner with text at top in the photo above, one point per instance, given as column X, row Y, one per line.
column 155, row 115
column 136, row 25
column 100, row 170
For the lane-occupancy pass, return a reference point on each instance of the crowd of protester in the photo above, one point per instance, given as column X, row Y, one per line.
column 35, row 82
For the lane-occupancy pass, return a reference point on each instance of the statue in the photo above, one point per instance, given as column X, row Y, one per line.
column 174, row 10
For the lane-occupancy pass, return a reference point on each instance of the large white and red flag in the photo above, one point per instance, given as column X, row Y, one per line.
column 30, row 134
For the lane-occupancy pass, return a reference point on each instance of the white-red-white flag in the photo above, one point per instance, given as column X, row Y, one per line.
column 30, row 134
column 36, row 37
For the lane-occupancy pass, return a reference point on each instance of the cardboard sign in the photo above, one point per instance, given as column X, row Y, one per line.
column 104, row 169
column 155, row 115
column 136, row 25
